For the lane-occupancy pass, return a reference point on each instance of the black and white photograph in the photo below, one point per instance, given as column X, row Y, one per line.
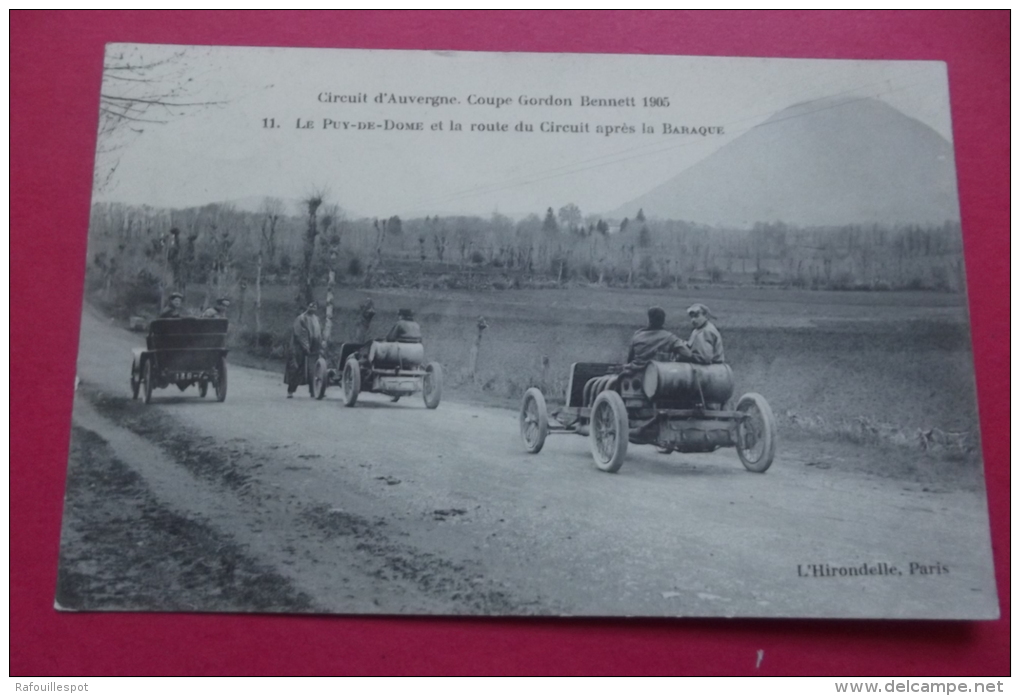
column 463, row 333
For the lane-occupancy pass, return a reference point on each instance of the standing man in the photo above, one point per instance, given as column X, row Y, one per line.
column 217, row 311
column 173, row 308
column 705, row 346
column 305, row 343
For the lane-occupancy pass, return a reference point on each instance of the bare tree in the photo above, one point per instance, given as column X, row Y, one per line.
column 142, row 86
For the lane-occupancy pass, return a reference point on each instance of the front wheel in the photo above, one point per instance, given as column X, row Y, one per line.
column 756, row 433
column 221, row 380
column 352, row 381
column 432, row 385
column 534, row 420
column 320, row 378
column 609, row 433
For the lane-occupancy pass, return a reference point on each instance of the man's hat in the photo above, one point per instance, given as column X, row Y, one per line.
column 223, row 302
column 176, row 294
column 405, row 314
column 698, row 308
column 313, row 305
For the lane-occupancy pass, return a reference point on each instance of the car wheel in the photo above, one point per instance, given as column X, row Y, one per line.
column 136, row 382
column 756, row 433
column 609, row 431
column 534, row 420
column 432, row 385
column 221, row 380
column 147, row 382
column 320, row 379
column 352, row 381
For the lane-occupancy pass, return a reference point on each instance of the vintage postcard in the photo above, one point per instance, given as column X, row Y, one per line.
column 399, row 332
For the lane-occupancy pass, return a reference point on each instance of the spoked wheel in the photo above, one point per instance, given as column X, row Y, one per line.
column 147, row 382
column 352, row 381
column 609, row 431
column 534, row 420
column 136, row 382
column 432, row 385
column 756, row 433
column 203, row 387
column 221, row 380
column 320, row 378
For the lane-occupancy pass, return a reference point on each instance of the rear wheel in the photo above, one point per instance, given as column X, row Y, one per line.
column 756, row 433
column 432, row 385
column 136, row 382
column 609, row 431
column 320, row 379
column 221, row 380
column 147, row 382
column 534, row 420
column 352, row 381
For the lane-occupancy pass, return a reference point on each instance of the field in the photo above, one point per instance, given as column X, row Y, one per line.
column 884, row 367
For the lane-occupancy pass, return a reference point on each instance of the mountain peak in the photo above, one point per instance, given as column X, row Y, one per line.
column 832, row 161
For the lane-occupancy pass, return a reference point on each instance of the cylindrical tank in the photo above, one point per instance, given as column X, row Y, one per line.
column 681, row 381
column 392, row 355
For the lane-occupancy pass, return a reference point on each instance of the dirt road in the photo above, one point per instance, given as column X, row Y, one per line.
column 393, row 508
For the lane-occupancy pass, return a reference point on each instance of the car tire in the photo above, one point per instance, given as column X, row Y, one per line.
column 534, row 420
column 609, row 431
column 351, row 381
column 432, row 385
column 756, row 433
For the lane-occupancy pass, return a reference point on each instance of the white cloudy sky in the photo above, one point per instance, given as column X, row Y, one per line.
column 223, row 153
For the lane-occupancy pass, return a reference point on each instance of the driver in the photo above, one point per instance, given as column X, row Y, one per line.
column 652, row 342
column 173, row 308
column 406, row 330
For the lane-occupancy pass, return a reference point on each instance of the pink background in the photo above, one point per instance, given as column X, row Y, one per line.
column 56, row 63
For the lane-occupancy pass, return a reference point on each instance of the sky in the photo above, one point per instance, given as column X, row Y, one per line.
column 220, row 146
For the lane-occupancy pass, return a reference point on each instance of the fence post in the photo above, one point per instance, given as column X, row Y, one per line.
column 482, row 325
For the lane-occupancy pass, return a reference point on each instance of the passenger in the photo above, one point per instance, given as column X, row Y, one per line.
column 218, row 311
column 173, row 308
column 406, row 330
column 705, row 345
column 652, row 342
column 305, row 343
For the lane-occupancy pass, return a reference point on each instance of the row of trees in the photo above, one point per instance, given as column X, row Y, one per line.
column 228, row 251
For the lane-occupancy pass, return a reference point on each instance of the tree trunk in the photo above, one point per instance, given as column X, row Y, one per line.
column 258, row 298
column 327, row 330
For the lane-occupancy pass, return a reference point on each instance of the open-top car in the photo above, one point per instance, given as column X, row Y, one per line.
column 675, row 406
column 184, row 352
column 392, row 368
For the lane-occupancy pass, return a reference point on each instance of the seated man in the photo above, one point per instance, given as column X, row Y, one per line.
column 406, row 330
column 173, row 308
column 705, row 346
column 217, row 311
column 652, row 342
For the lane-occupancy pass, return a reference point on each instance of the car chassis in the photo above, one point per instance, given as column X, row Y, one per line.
column 678, row 407
column 380, row 367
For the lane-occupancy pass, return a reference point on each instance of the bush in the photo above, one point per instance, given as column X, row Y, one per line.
column 354, row 266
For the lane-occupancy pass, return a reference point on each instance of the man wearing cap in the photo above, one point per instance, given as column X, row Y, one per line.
column 705, row 345
column 406, row 330
column 173, row 308
column 218, row 311
column 305, row 343
column 652, row 342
